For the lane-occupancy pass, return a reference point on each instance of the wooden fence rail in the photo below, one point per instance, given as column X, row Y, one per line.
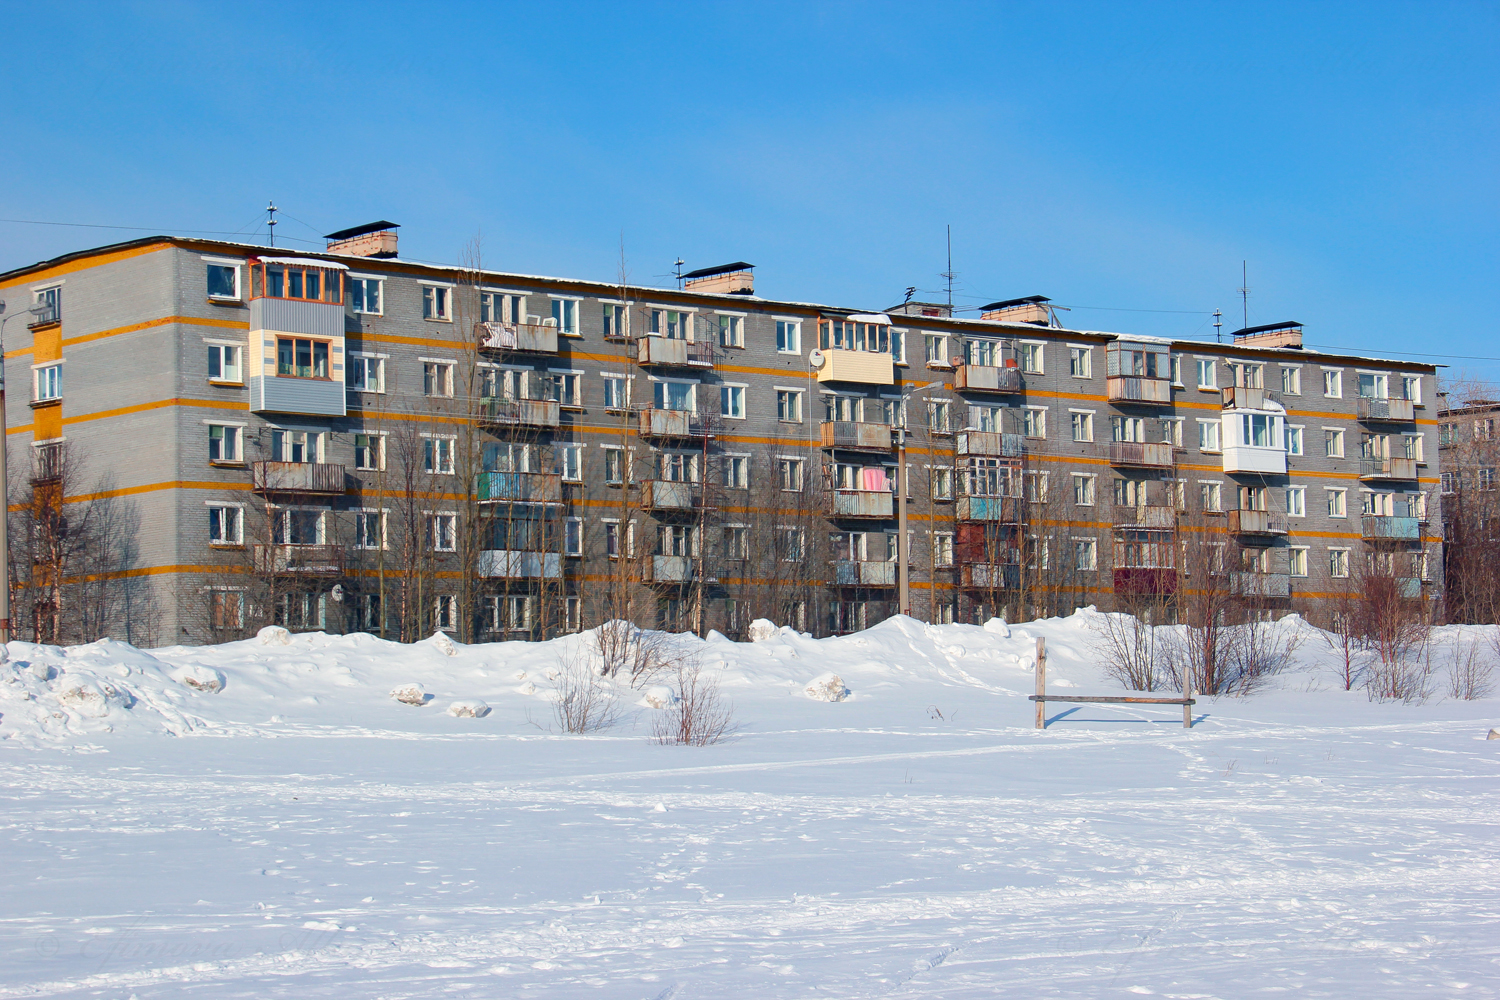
column 1042, row 697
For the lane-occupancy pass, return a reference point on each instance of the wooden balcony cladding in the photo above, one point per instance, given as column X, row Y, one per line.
column 1001, row 510
column 1383, row 528
column 1388, row 468
column 671, row 424
column 1138, row 389
column 1150, row 518
column 990, row 576
column 679, row 353
column 526, row 338
column 304, row 560
column 878, row 504
column 850, row 573
column 869, row 367
column 308, row 478
column 1256, row 522
column 991, row 443
column 1260, row 584
column 668, row 495
column 1385, row 411
column 519, row 487
column 512, row 564
column 987, row 378
column 1140, row 455
column 853, row 435
column 540, row 413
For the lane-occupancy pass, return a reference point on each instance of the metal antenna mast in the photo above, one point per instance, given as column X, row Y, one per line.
column 678, row 265
column 1218, row 327
column 271, row 221
column 1245, row 293
column 949, row 274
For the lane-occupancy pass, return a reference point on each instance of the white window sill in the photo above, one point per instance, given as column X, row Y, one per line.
column 437, row 319
column 226, row 381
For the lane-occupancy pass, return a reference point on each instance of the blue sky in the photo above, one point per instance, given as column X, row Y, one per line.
column 1122, row 159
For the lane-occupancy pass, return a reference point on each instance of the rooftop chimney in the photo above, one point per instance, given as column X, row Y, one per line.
column 1033, row 309
column 1287, row 334
column 376, row 239
column 726, row 279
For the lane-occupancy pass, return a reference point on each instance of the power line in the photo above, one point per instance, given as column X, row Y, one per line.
column 142, row 229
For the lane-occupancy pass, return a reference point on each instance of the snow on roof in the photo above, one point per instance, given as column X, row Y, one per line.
column 869, row 318
column 305, row 262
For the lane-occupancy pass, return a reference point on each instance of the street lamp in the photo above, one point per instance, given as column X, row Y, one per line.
column 5, row 483
column 903, row 544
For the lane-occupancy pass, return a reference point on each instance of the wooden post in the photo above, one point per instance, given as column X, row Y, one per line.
column 1041, row 682
column 1187, row 710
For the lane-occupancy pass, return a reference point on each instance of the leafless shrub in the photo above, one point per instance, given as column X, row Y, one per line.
column 625, row 650
column 585, row 700
column 1256, row 649
column 1405, row 679
column 1471, row 676
column 1343, row 639
column 1127, row 647
column 700, row 716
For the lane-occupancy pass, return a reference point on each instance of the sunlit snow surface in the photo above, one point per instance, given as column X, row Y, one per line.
column 299, row 833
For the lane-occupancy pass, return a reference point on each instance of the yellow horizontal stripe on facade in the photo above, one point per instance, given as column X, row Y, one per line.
column 219, row 324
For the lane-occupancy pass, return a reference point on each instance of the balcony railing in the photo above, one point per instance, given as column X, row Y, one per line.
column 1137, row 389
column 50, row 312
column 987, row 378
column 519, row 487
column 990, row 576
column 1388, row 468
column 849, row 573
column 672, row 424
column 1151, row 518
column 297, row 477
column 1239, row 397
column 852, row 435
column 516, row 564
column 1385, row 528
column 859, row 503
column 527, row 337
column 1256, row 522
column 671, row 569
column 665, row 351
column 520, row 412
column 1001, row 510
column 1385, row 411
column 1141, row 455
column 309, row 560
column 663, row 494
column 991, row 443
column 1260, row 584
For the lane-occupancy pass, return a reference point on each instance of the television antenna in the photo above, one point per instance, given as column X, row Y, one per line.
column 1218, row 327
column 271, row 211
column 1244, row 291
column 949, row 274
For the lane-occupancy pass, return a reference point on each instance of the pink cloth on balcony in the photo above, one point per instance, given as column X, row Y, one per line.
column 873, row 480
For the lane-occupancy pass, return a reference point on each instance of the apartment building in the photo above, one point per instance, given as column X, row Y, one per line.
column 349, row 441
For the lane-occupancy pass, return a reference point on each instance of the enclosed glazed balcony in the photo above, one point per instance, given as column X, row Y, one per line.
column 670, row 352
column 1000, row 510
column 987, row 378
column 1254, row 441
column 307, row 560
column 1260, row 584
column 512, row 564
column 1384, row 528
column 518, row 487
column 1385, row 411
column 869, row 367
column 1256, row 522
column 853, row 435
column 538, row 413
column 850, row 573
column 306, row 478
column 1153, row 518
column 659, row 423
column 1388, row 468
column 1141, row 455
column 870, row 504
column 525, row 338
column 990, row 443
column 669, row 495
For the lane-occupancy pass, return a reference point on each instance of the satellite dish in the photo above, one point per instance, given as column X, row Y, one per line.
column 815, row 358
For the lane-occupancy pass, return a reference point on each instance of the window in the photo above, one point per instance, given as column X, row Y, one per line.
column 296, row 446
column 788, row 543
column 1083, row 426
column 1291, row 381
column 1034, row 422
column 565, row 315
column 437, row 378
column 445, row 612
column 369, row 529
column 1177, row 369
column 1485, row 477
column 1374, row 385
column 1294, row 440
column 297, row 527
column 1207, row 379
column 1411, row 388
column 1079, row 362
column 1171, row 431
column 736, row 542
column 939, row 416
column 614, row 321
column 573, row 613
column 789, row 406
column 442, row 532
column 1211, row 495
column 616, row 392
column 677, row 467
column 1127, row 429
column 1296, row 501
column 935, row 347
column 1086, row 554
column 675, row 540
column 502, row 307
column 364, row 295
column 226, row 608
column 675, row 396
column 737, row 472
column 1337, row 502
column 1083, row 489
column 299, row 358
column 573, row 536
column 224, row 443
column 898, row 346
column 788, row 336
column 570, row 462
column 671, row 324
column 1333, row 442
column 789, row 473
column 437, row 455
column 732, row 401
column 1484, row 429
column 224, row 363
column 437, row 302
column 365, row 373
column 223, row 281
column 1208, row 435
column 226, row 524
column 49, row 382
column 614, row 465
column 1296, row 561
column 731, row 331
column 565, row 387
column 1447, row 434
column 1411, row 447
column 1450, row 482
column 1247, row 376
column 1333, row 383
column 1036, row 487
column 612, row 539
column 1338, row 563
column 1031, row 358
column 941, row 479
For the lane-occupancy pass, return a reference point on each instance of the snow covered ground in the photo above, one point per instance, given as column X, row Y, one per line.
column 265, row 820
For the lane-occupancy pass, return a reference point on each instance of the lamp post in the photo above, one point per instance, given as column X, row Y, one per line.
column 5, row 485
column 903, row 544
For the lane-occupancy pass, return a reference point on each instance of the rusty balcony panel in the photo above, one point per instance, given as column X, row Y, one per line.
column 1385, row 411
column 1388, row 468
column 853, row 435
column 671, row 352
column 851, row 573
column 878, row 504
column 1141, row 455
column 1137, row 389
column 991, row 443
column 671, row 424
column 987, row 378
column 322, row 478
column 525, row 337
column 1256, row 522
column 663, row 494
column 990, row 576
column 1150, row 518
column 1260, row 584
column 519, row 487
column 1002, row 510
column 303, row 560
column 520, row 412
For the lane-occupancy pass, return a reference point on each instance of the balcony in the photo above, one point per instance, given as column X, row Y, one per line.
column 316, row 397
column 1385, row 411
column 1138, row 389
column 47, row 312
column 1388, row 468
column 1140, row 455
column 667, row 495
column 848, row 573
column 657, row 423
column 869, row 367
column 674, row 353
column 1256, row 522
column 307, row 478
column 513, row 564
column 851, row 435
column 1260, row 584
column 987, row 378
column 671, row 569
column 990, row 576
column 518, row 487
column 1239, row 397
column 876, row 504
column 1385, row 528
column 1150, row 518
column 527, row 338
column 1000, row 510
column 1409, row 587
column 538, row 413
column 991, row 443
column 1140, row 581
column 304, row 560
